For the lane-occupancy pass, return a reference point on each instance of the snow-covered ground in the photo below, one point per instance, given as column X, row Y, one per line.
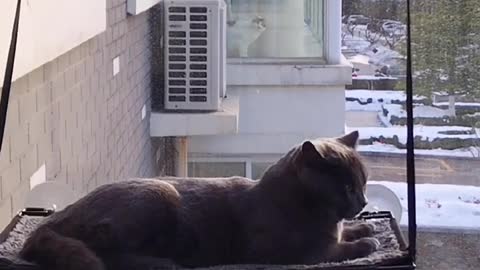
column 380, row 100
column 428, row 111
column 419, row 110
column 387, row 96
column 426, row 132
column 459, row 104
column 477, row 114
column 378, row 54
column 440, row 206
column 355, row 106
column 471, row 152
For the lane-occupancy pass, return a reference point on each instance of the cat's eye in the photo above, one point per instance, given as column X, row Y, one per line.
column 349, row 188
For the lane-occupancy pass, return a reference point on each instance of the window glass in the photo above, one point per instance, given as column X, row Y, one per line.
column 258, row 168
column 445, row 42
column 216, row 169
column 275, row 28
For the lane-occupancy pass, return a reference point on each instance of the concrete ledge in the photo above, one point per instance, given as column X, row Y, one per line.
column 173, row 124
column 445, row 251
column 243, row 73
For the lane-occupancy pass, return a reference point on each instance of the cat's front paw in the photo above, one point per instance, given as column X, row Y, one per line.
column 358, row 231
column 366, row 246
column 365, row 230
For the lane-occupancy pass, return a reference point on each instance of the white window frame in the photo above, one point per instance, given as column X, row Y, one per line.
column 248, row 160
column 332, row 27
column 332, row 69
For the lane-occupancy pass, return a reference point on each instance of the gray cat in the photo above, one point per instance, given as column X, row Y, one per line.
column 290, row 216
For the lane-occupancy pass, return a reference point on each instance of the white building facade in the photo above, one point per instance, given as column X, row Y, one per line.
column 288, row 78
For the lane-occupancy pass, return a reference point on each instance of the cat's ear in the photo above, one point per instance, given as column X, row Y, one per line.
column 350, row 139
column 309, row 152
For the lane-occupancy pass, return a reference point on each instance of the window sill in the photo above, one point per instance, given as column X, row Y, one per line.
column 181, row 124
column 277, row 61
column 271, row 72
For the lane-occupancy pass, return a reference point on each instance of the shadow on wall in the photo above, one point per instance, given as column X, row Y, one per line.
column 165, row 155
column 157, row 64
column 165, row 152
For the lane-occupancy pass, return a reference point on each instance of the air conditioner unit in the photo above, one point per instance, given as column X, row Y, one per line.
column 195, row 54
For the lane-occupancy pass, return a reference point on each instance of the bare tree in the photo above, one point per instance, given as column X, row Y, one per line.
column 475, row 151
column 392, row 39
column 344, row 36
column 351, row 28
column 372, row 37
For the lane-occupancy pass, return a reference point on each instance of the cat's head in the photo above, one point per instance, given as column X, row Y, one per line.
column 332, row 171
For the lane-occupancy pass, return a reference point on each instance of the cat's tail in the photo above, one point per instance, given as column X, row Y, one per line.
column 53, row 251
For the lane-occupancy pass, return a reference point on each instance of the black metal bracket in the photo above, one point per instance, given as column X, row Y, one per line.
column 412, row 215
column 7, row 81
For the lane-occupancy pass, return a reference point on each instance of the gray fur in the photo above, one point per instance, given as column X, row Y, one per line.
column 290, row 216
column 389, row 247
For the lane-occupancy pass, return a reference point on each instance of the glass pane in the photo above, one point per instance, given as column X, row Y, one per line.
column 275, row 28
column 258, row 168
column 373, row 40
column 216, row 169
column 445, row 48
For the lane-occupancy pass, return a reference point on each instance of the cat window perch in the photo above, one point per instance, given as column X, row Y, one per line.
column 394, row 252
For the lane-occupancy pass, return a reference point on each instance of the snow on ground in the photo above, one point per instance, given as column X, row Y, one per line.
column 459, row 104
column 373, row 78
column 379, row 99
column 382, row 56
column 386, row 95
column 472, row 152
column 356, row 43
column 418, row 111
column 440, row 206
column 355, row 106
column 384, row 98
column 395, row 110
column 477, row 114
column 426, row 132
column 429, row 111
column 360, row 59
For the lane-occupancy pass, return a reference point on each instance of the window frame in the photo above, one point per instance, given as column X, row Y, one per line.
column 248, row 160
column 323, row 60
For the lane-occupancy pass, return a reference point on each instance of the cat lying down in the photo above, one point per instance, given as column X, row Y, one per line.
column 391, row 251
column 292, row 216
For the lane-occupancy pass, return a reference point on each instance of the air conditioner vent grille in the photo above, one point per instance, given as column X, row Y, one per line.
column 194, row 51
column 177, row 9
column 198, row 10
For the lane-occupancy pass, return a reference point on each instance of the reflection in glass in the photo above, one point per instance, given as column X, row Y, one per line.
column 216, row 169
column 259, row 168
column 275, row 28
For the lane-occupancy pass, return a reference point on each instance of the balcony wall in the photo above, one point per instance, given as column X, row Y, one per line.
column 77, row 118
